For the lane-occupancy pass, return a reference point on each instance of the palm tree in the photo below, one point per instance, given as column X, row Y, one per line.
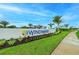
column 57, row 20
column 50, row 25
column 30, row 25
column 4, row 23
column 39, row 26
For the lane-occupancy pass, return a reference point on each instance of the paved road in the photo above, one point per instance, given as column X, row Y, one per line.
column 69, row 46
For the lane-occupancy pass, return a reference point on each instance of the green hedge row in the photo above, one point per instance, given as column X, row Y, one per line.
column 14, row 42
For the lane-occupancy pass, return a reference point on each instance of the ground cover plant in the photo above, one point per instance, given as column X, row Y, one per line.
column 43, row 46
column 2, row 42
column 13, row 42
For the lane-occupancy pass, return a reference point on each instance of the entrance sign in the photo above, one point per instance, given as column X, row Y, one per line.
column 8, row 33
column 37, row 32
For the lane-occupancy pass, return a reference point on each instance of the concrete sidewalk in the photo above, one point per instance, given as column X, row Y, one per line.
column 69, row 46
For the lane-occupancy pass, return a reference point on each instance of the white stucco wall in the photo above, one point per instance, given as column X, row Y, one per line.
column 13, row 33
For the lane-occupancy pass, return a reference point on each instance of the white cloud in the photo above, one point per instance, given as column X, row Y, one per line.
column 20, row 10
column 10, row 8
column 72, row 13
column 69, row 17
column 35, row 12
column 73, row 9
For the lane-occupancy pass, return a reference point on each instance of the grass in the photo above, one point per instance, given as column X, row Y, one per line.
column 43, row 46
column 77, row 34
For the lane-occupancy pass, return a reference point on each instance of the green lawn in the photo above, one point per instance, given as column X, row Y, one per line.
column 43, row 46
column 77, row 34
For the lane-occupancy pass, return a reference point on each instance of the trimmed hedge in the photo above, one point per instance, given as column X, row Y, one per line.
column 14, row 42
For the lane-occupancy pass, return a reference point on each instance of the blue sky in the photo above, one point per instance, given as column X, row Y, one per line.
column 21, row 14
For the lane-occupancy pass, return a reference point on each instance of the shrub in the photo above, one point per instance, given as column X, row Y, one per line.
column 14, row 42
column 11, row 42
column 5, row 45
column 35, row 37
column 24, row 39
column 17, row 42
column 2, row 43
column 30, row 38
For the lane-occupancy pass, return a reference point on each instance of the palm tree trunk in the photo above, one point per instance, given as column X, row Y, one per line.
column 58, row 29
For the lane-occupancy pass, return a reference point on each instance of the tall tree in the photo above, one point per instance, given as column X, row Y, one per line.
column 57, row 20
column 4, row 23
column 51, row 25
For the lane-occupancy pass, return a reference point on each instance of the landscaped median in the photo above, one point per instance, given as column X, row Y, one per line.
column 44, row 46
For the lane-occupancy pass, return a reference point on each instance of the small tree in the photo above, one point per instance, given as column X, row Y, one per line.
column 30, row 25
column 50, row 25
column 11, row 26
column 35, row 26
column 39, row 26
column 44, row 27
column 23, row 27
column 4, row 23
